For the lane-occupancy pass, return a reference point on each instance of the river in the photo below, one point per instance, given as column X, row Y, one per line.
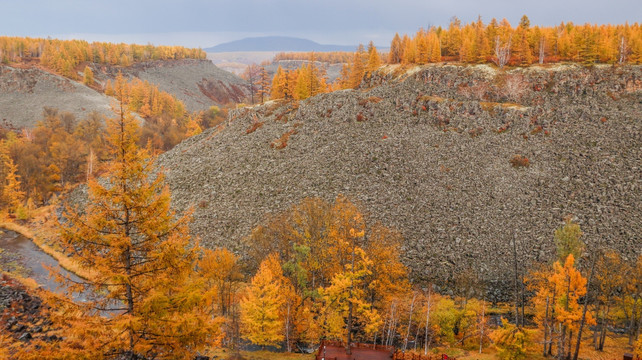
column 33, row 260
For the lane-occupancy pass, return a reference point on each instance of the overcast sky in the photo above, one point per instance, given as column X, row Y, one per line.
column 204, row 23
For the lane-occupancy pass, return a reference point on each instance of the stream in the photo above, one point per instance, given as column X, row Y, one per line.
column 32, row 259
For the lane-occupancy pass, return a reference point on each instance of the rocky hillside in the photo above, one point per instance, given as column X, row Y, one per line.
column 431, row 151
column 25, row 92
column 198, row 83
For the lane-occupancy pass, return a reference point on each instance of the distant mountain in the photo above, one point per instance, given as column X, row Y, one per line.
column 277, row 43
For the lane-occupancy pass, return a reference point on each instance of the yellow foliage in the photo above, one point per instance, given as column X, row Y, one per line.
column 511, row 341
column 261, row 316
column 141, row 257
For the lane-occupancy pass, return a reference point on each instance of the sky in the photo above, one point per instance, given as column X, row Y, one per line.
column 205, row 23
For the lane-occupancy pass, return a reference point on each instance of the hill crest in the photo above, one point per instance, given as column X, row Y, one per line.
column 276, row 43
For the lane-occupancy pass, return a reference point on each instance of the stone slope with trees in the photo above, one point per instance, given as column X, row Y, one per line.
column 460, row 159
column 199, row 84
column 25, row 91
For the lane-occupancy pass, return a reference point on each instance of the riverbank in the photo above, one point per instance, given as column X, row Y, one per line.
column 38, row 230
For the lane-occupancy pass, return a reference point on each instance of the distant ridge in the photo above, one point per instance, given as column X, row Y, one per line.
column 277, row 43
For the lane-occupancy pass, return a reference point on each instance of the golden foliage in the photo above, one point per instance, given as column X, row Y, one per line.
column 141, row 257
column 521, row 45
column 63, row 56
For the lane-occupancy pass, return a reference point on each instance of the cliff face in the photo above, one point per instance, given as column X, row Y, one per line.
column 428, row 151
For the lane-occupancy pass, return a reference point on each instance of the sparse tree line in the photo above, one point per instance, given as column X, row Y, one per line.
column 310, row 79
column 332, row 57
column 64, row 56
column 497, row 42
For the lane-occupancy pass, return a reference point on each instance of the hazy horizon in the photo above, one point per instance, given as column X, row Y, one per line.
column 202, row 23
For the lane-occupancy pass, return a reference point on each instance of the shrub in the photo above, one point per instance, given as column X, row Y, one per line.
column 519, row 161
column 22, row 213
column 372, row 99
column 282, row 142
column 475, row 132
column 253, row 127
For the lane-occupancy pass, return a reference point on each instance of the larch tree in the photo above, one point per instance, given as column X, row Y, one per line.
column 12, row 194
column 263, row 85
column 396, row 51
column 261, row 316
column 88, row 76
column 357, row 68
column 570, row 286
column 140, row 258
column 252, row 75
column 374, row 61
column 279, row 82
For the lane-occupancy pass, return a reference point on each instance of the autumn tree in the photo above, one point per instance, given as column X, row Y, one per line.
column 357, row 67
column 140, row 257
column 12, row 194
column 570, row 286
column 261, row 319
column 279, row 81
column 88, row 76
column 222, row 274
column 511, row 340
column 609, row 283
column 567, row 240
column 252, row 75
column 263, row 85
column 396, row 51
column 374, row 61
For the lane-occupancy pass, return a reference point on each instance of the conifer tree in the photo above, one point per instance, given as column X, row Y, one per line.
column 140, row 256
column 88, row 76
column 278, row 84
column 374, row 62
column 264, row 85
column 12, row 195
column 396, row 50
column 357, row 68
column 261, row 316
